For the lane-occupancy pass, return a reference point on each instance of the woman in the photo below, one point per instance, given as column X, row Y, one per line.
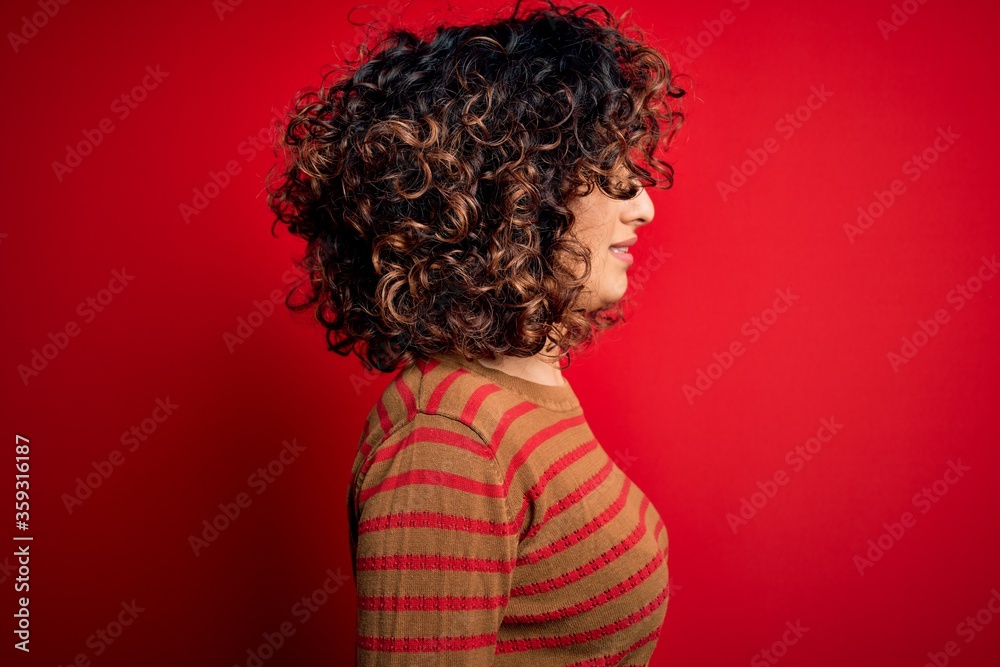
column 469, row 199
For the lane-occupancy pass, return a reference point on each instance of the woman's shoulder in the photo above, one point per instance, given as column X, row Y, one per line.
column 448, row 391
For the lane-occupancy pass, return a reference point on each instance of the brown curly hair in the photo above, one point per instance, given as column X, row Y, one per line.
column 431, row 179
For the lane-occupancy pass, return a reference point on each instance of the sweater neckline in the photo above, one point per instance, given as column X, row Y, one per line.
column 560, row 399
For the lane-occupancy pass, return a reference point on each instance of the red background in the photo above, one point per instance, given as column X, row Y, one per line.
column 826, row 357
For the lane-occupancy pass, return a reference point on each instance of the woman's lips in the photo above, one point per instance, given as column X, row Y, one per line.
column 623, row 256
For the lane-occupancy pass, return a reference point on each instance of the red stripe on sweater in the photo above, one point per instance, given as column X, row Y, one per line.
column 536, row 440
column 536, row 491
column 514, row 645
column 660, row 528
column 507, row 419
column 436, row 520
column 572, row 498
column 431, row 434
column 615, row 660
column 424, row 644
column 438, row 394
column 563, row 462
column 580, row 533
column 364, row 450
column 586, row 605
column 434, row 562
column 435, row 478
column 430, row 602
column 591, row 567
column 383, row 417
column 406, row 395
column 475, row 401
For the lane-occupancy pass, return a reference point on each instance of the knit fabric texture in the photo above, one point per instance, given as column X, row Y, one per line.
column 489, row 527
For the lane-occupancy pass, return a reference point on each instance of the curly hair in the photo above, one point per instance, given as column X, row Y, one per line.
column 431, row 180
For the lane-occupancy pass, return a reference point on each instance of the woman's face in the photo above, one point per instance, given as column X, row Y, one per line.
column 608, row 227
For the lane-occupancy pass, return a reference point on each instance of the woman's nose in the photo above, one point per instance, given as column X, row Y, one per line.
column 641, row 209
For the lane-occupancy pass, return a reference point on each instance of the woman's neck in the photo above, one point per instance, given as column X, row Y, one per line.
column 542, row 368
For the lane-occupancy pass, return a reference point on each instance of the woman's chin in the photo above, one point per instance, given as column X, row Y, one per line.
column 610, row 300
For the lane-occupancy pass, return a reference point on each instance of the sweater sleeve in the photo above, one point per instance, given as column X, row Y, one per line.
column 436, row 546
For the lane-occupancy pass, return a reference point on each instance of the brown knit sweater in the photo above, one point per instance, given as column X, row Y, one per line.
column 489, row 527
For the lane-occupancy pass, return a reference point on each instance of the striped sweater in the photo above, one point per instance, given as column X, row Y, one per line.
column 489, row 527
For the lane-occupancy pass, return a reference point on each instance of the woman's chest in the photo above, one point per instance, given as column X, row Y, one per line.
column 592, row 558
